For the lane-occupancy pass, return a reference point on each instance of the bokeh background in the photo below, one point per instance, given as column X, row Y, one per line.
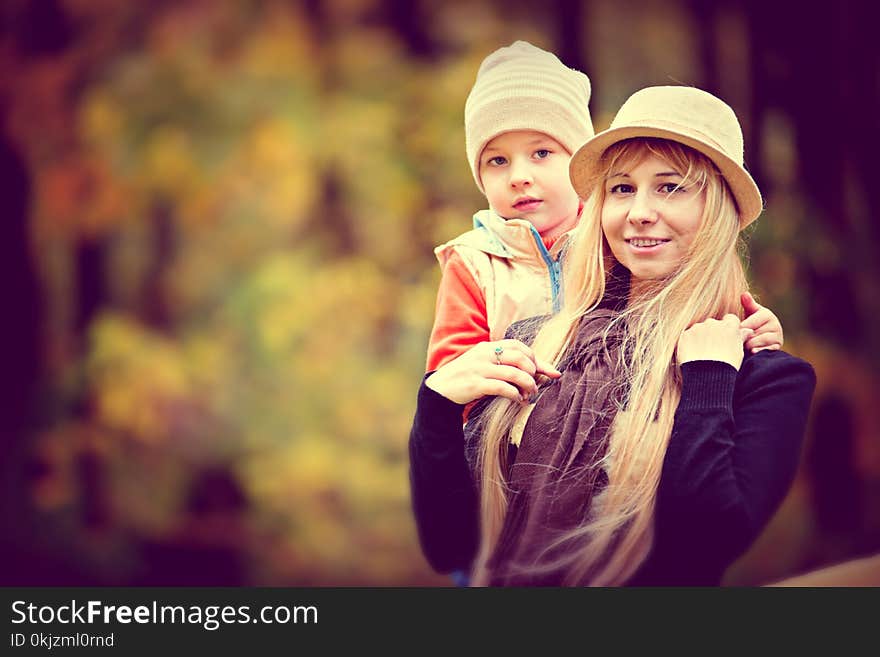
column 219, row 282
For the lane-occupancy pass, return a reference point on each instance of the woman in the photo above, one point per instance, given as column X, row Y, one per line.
column 652, row 450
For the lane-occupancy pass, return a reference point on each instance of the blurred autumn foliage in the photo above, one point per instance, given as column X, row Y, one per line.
column 219, row 250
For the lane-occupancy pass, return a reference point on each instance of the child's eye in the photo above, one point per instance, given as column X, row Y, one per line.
column 622, row 188
column 541, row 153
column 497, row 161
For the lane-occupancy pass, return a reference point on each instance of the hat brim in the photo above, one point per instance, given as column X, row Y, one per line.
column 584, row 163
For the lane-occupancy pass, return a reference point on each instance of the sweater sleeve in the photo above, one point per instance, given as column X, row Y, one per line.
column 443, row 492
column 460, row 316
column 732, row 456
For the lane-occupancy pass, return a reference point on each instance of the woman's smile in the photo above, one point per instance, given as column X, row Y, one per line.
column 646, row 245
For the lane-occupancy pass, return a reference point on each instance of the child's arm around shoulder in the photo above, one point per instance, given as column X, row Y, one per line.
column 460, row 319
column 764, row 324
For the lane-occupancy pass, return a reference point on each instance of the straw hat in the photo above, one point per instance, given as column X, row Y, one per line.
column 686, row 115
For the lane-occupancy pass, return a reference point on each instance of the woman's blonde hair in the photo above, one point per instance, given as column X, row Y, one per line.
column 616, row 535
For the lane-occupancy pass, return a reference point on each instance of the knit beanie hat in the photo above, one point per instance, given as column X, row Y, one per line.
column 521, row 87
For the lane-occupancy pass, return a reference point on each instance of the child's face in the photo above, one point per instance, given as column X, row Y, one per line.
column 525, row 175
column 648, row 220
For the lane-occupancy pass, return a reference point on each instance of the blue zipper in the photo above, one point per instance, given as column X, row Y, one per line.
column 554, row 268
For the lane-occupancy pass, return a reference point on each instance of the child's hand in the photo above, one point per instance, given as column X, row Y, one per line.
column 766, row 327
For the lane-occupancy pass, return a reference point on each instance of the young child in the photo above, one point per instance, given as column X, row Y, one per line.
column 524, row 117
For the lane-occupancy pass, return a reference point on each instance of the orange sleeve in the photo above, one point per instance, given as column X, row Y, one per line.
column 460, row 319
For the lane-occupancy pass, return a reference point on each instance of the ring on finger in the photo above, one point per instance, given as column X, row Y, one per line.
column 498, row 351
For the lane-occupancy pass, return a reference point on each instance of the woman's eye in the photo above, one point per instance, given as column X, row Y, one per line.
column 622, row 188
column 671, row 188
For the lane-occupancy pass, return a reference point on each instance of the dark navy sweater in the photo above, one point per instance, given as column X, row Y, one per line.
column 731, row 459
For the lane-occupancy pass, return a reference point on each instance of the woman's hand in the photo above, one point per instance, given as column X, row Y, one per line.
column 714, row 339
column 507, row 368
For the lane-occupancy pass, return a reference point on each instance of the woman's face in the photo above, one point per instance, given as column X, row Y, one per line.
column 648, row 219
